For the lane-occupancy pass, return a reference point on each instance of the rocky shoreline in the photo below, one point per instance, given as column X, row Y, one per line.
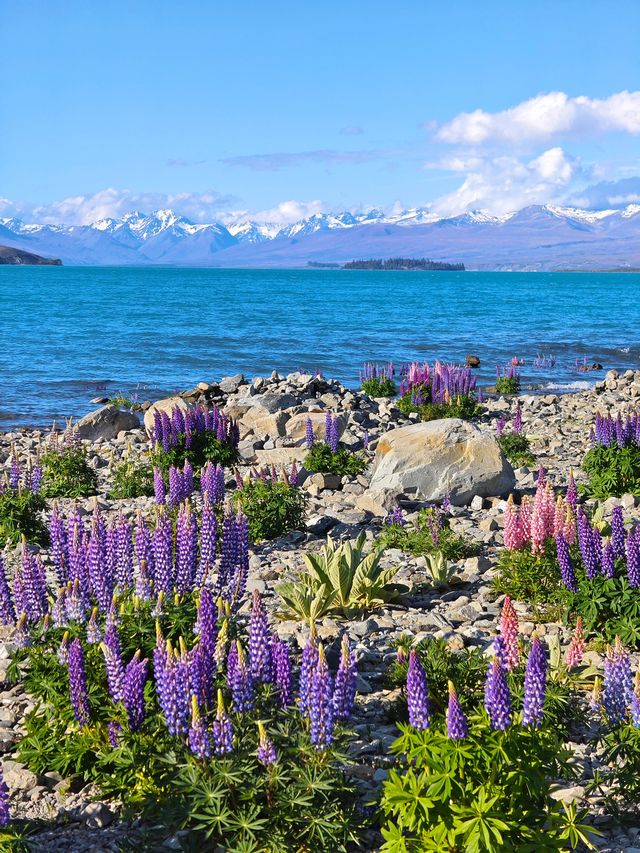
column 272, row 414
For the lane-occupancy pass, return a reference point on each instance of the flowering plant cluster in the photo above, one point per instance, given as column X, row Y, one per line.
column 479, row 780
column 377, row 380
column 613, row 462
column 21, row 502
column 66, row 472
column 198, row 434
column 328, row 457
column 273, row 504
column 444, row 391
column 514, row 443
column 430, row 533
column 508, row 378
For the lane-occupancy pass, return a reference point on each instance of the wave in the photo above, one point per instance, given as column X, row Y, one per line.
column 578, row 385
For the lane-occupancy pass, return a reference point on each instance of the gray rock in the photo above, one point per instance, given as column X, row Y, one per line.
column 168, row 404
column 106, row 422
column 18, row 777
column 430, row 460
column 97, row 815
column 230, row 384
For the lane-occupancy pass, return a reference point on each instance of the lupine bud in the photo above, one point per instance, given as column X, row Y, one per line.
column 576, row 646
column 509, row 631
column 608, row 560
column 266, row 749
column 417, row 693
column 199, row 738
column 535, row 685
column 321, row 717
column 78, row 683
column 457, row 727
column 497, row 699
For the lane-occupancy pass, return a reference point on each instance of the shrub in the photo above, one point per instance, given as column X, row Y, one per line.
column 20, row 515
column 487, row 791
column 65, row 467
column 222, row 751
column 132, row 480
column 272, row 508
column 198, row 434
column 342, row 580
column 613, row 463
column 446, row 391
column 517, row 449
column 508, row 379
column 323, row 460
column 431, row 534
column 377, row 381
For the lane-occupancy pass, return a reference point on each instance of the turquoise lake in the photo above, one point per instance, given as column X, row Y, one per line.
column 73, row 333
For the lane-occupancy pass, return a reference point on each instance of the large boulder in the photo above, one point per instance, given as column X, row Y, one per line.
column 168, row 404
column 106, row 422
column 427, row 461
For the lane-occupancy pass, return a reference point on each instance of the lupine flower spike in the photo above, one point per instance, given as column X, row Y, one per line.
column 266, row 749
column 457, row 727
column 576, row 646
column 497, row 699
column 509, row 631
column 417, row 693
column 535, row 685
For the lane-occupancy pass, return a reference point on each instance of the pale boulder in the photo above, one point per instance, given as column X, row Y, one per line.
column 106, row 422
column 427, row 461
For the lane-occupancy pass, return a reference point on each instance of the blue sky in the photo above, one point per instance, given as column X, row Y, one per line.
column 283, row 109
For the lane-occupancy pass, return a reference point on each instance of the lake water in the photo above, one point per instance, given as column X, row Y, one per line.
column 72, row 333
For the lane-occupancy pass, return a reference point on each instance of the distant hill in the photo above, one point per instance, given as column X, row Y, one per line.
column 403, row 264
column 538, row 237
column 8, row 255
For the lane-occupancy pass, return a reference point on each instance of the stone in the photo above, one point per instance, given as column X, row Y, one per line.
column 320, row 524
column 297, row 425
column 477, row 502
column 230, row 384
column 378, row 504
column 264, row 423
column 18, row 777
column 106, row 422
column 326, row 481
column 568, row 795
column 281, row 456
column 168, row 404
column 427, row 461
column 472, row 361
column 97, row 815
column 272, row 403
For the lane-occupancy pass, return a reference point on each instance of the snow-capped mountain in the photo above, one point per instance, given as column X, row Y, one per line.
column 536, row 237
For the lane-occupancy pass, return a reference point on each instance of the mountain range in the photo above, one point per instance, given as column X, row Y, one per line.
column 538, row 237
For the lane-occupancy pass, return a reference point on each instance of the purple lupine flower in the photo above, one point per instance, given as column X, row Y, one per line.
column 239, row 679
column 266, row 749
column 535, row 685
column 175, row 486
column 135, row 678
column 206, row 626
column 618, row 682
column 162, row 542
column 78, row 683
column 187, row 479
column 171, row 678
column 21, row 635
column 186, row 549
column 228, row 552
column 497, row 699
column 417, row 693
column 617, row 532
column 457, row 727
column 199, row 737
column 572, row 492
column 143, row 546
column 98, row 576
column 63, row 650
column 58, row 539
column 144, row 583
column 34, row 585
column 309, row 437
column 113, row 733
column 158, row 486
column 238, row 581
column 634, row 705
column 94, row 634
column 632, row 547
column 74, row 602
column 5, row 815
column 113, row 662
column 208, row 536
column 59, row 611
column 500, row 425
column 222, row 730
column 7, row 610
column 293, row 475
column 124, row 553
column 308, row 663
column 328, row 420
column 345, row 682
column 500, row 651
column 260, row 663
column 608, row 560
column 517, row 420
column 587, row 546
column 395, row 517
column 321, row 717
column 566, row 564
column 334, row 439
column 282, row 667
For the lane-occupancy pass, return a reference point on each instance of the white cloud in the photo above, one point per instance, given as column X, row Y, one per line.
column 288, row 212
column 506, row 183
column 545, row 117
column 110, row 202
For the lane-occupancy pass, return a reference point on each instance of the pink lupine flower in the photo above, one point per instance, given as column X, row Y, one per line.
column 525, row 519
column 509, row 631
column 576, row 646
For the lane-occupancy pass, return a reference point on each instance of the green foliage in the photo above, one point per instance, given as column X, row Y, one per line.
column 122, row 401
column 339, row 579
column 463, row 406
column 534, row 578
column 66, row 473
column 379, row 386
column 320, row 459
column 132, row 480
column 507, row 385
column 517, row 449
column 20, row 515
column 205, row 446
column 619, row 751
column 272, row 509
column 431, row 534
column 613, row 471
column 302, row 802
column 609, row 607
column 487, row 792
